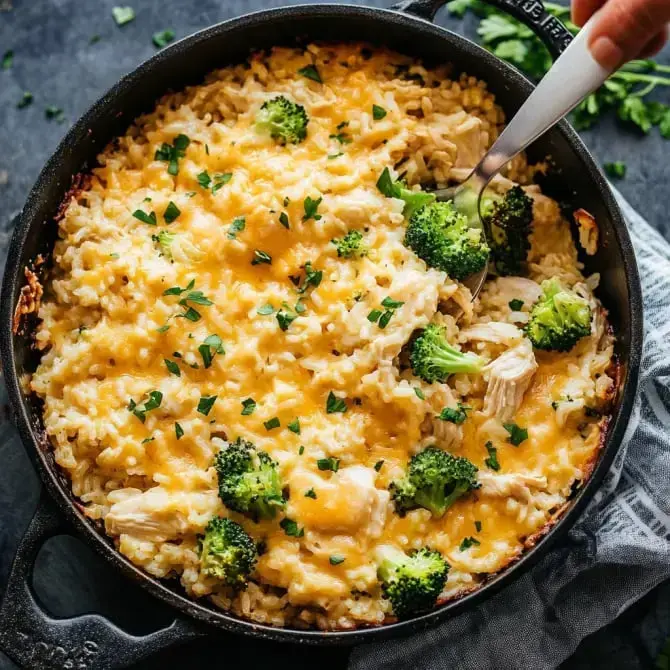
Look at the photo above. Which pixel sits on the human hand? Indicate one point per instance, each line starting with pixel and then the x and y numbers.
pixel 623 29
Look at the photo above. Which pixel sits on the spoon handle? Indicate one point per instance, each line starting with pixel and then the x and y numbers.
pixel 573 76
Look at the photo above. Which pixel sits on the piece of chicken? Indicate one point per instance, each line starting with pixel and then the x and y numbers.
pixel 509 376
pixel 516 485
pixel 516 288
pixel 497 332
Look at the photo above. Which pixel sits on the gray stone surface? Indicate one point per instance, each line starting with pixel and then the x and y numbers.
pixel 56 62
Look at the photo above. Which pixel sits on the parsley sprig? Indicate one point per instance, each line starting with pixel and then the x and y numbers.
pixel 171 153
pixel 195 297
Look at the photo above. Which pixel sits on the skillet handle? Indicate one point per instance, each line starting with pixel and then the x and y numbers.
pixel 532 13
pixel 37 641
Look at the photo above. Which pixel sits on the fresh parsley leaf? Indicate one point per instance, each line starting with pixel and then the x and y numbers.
pixel 517 435
pixel 211 346
pixel 492 460
pixel 248 407
pixel 389 303
pixel 172 367
pixel 310 494
pixel 153 402
pixel 374 315
pixel 26 99
pixel 266 309
pixel 204 179
pixel 336 559
pixel 178 431
pixel 205 404
pixel 191 314
pixel 7 60
pixel 515 305
pixel 290 527
pixel 294 426
pixel 311 206
pixel 634 110
pixel 171 213
pixel 331 463
pixel 478 526
pixel 616 170
pixel 261 257
pixel 54 113
pixel 378 112
pixel 301 451
pixel 285 319
pixel 300 307
pixel 378 465
pixel 342 138
pixel 196 297
pixel 163 329
pixel 123 15
pixel 419 393
pixel 237 226
pixel 312 278
pixel 283 219
pixel 221 180
pixel 385 318
pixel 455 415
pixel 469 542
pixel 310 72
pixel 386 185
pixel 171 153
pixel 162 38
pixel 145 218
pixel 335 404
pixel 272 423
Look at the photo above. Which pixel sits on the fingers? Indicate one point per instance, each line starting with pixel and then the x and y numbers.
pixel 582 10
pixel 625 28
pixel 654 45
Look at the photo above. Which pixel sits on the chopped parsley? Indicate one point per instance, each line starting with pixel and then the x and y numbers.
pixel 290 527
pixel 617 169
pixel 206 403
pixel 237 226
pixel 515 305
pixel 301 451
pixel 248 407
pixel 455 415
pixel 331 157
pixel 517 435
pixel 378 112
pixel 374 315
pixel 123 15
pixel 146 440
pixel 171 153
pixel 7 59
pixel 311 206
pixel 492 461
pixel 285 319
pixel 478 526
pixel 163 329
pixel 261 257
pixel 382 318
pixel 272 423
pixel 378 465
pixel 211 346
pixel 266 309
pixel 300 307
pixel 310 494
pixel 162 38
pixel 310 72
pixel 171 213
pixel 335 404
pixel 389 303
pixel 54 113
pixel 335 559
pixel 469 542
pixel 178 431
pixel 342 138
pixel 419 393
pixel 172 367
pixel 204 179
pixel 312 278
pixel 145 218
pixel 153 402
pixel 283 219
pixel 332 464
pixel 221 180
pixel 26 99
pixel 294 426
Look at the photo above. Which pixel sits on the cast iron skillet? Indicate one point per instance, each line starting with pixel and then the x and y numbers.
pixel 30 636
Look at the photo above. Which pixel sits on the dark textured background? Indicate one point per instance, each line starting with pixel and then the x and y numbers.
pixel 56 62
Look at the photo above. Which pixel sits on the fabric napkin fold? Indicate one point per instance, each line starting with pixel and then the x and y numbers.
pixel 618 550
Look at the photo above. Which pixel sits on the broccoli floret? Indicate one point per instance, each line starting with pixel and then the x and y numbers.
pixel 248 480
pixel 165 240
pixel 227 552
pixel 434 480
pixel 285 120
pixel 411 582
pixel 442 237
pixel 351 245
pixel 178 247
pixel 413 200
pixel 433 359
pixel 559 318
pixel 508 225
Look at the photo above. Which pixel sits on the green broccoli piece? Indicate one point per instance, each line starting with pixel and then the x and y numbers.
pixel 442 237
pixel 351 245
pixel 412 582
pixel 508 224
pixel 559 318
pixel 227 552
pixel 248 480
pixel 165 240
pixel 284 120
pixel 433 359
pixel 414 200
pixel 434 481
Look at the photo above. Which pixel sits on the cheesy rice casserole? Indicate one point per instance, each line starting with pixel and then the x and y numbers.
pixel 233 332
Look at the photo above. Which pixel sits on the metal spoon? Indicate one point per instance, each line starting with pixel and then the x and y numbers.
pixel 573 76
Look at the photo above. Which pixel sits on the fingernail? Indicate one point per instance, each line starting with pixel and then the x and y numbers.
pixel 607 52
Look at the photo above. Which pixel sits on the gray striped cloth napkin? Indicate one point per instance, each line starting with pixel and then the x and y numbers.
pixel 617 551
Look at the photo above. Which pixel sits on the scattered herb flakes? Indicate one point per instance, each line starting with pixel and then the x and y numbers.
pixel 310 494
pixel 191 314
pixel 153 402
pixel 455 415
pixel 382 317
pixel 335 404
pixel 171 213
pixel 94 39
pixel 248 406
pixel 342 138
pixel 7 60
pixel 237 226
pixel 162 38
pixel 311 206
pixel 53 113
pixel 26 99
pixel 272 423
pixel 385 184
pixel 378 112
pixel 294 426
pixel 469 542
pixel 389 303
pixel 616 170
pixel 331 463
pixel 300 307
pixel 283 219
pixel 150 219
pixel 163 329
pixel 378 465
pixel 385 318
pixel 515 305
pixel 178 431
pixel 374 315
pixel 290 527
pixel 261 257
pixel 171 153
pixel 517 435
pixel 211 346
pixel 285 319
pixel 336 559
pixel 301 451
pixel 312 278
pixel 146 440
pixel 204 179
pixel 123 15
pixel 266 309
pixel 206 403
pixel 333 156
pixel 310 72
pixel 221 180
pixel 419 393
pixel 492 461
pixel 478 526
pixel 172 367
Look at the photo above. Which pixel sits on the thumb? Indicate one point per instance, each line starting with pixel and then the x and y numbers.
pixel 623 29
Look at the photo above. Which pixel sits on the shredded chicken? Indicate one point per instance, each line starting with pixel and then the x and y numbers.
pixel 497 332
pixel 517 485
pixel 518 288
pixel 509 376
pixel 588 231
